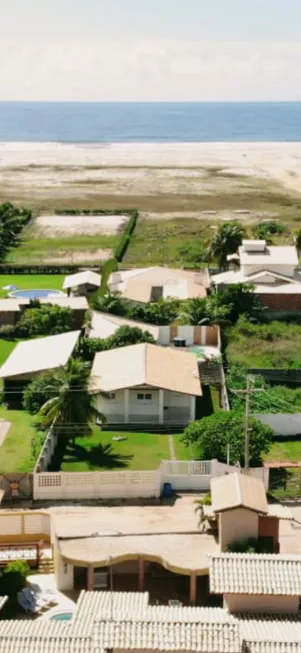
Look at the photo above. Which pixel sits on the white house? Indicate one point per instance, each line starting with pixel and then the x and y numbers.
pixel 146 384
pixel 82 283
pixel 262 265
pixel 143 285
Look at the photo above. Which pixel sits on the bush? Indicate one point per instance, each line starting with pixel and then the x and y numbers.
pixel 124 336
pixel 7 331
pixel 13 578
pixel 39 391
pixel 12 221
pixel 265 229
pixel 126 237
pixel 213 436
pixel 46 320
pixel 252 545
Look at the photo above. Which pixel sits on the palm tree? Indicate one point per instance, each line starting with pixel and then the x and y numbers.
pixel 226 241
pixel 72 407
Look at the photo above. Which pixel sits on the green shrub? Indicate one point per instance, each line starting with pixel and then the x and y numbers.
pixel 12 221
pixel 7 331
pixel 13 578
pixel 126 237
pixel 44 321
pixel 252 545
pixel 269 228
pixel 207 500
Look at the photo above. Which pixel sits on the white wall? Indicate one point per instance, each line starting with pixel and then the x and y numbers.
pixel 237 525
pixel 282 423
pixel 287 270
pixel 261 604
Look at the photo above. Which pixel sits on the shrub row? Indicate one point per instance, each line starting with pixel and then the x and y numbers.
pixel 126 237
pixel 14 268
pixel 96 212
pixel 109 266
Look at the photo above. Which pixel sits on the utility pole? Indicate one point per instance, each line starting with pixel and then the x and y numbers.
pixel 250 390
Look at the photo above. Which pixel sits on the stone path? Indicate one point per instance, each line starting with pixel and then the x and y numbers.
pixel 4 428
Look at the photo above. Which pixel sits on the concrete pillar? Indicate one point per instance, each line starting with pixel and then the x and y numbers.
pixel 161 406
pixel 192 408
pixel 90 579
pixel 126 405
pixel 140 574
pixel 193 586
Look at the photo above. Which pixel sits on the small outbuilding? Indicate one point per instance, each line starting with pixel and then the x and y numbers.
pixel 82 283
pixel 32 357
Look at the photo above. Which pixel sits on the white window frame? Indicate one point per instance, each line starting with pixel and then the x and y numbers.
pixel 145 397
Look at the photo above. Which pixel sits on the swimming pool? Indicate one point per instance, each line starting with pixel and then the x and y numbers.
pixel 62 616
pixel 36 293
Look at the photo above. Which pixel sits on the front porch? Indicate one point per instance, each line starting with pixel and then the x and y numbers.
pixel 141 575
pixel 147 406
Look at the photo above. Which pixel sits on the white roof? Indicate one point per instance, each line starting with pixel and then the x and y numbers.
pixel 9 305
pixel 40 354
pixel 76 303
pixel 267 574
pixel 148 364
pixel 82 278
pixel 105 325
pixel 272 255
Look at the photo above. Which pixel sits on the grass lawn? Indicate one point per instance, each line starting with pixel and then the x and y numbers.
pixel 99 451
pixel 29 281
pixel 6 347
pixel 285 483
pixel 15 452
pixel 183 452
pixel 71 249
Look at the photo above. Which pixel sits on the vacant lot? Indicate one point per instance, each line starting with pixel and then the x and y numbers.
pixel 29 281
pixel 16 451
pixel 276 345
pixel 68 238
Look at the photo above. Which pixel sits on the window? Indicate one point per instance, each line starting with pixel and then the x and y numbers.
pixel 111 395
pixel 142 396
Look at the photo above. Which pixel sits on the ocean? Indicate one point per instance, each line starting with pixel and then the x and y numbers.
pixel 89 122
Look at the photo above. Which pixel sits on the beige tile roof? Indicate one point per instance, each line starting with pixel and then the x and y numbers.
pixel 238 490
pixel 203 637
pixel 101 605
pixel 182 554
pixel 82 278
pixel 274 510
pixel 145 364
pixel 40 354
pixel 137 284
pixel 240 573
pixel 271 633
pixel 42 636
pixel 105 324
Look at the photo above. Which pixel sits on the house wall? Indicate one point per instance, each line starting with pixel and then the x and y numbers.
pixel 64 573
pixel 194 335
pixel 177 407
pixel 286 270
pixel 269 527
pixel 9 317
pixel 278 302
pixel 261 604
pixel 237 525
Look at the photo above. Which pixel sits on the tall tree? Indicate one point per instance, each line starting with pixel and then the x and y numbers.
pixel 70 403
pixel 226 241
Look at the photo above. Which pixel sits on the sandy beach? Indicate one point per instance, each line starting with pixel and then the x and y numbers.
pixel 152 176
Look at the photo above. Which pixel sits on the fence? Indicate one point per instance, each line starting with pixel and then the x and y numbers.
pixel 183 476
pixel 24 523
pixel 47 451
pixel 96 485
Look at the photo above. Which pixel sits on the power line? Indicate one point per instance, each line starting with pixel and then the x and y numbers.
pixel 248 392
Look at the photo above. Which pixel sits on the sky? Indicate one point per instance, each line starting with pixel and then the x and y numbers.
pixel 150 50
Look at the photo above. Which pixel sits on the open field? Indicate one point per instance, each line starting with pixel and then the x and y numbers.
pixel 277 345
pixel 29 281
pixel 16 452
pixel 76 249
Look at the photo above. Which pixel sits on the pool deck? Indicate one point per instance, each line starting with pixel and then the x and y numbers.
pixel 45 583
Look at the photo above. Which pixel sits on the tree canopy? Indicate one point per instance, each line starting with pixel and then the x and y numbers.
pixel 213 436
pixel 12 221
pixel 44 320
pixel 226 241
pixel 125 335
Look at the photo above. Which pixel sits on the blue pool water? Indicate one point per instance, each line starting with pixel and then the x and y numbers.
pixel 62 616
pixel 38 293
